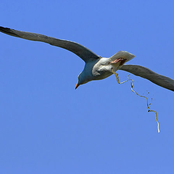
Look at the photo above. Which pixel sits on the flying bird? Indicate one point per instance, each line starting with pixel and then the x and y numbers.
pixel 96 67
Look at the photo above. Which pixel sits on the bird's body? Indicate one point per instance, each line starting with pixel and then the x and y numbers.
pixel 101 68
pixel 96 67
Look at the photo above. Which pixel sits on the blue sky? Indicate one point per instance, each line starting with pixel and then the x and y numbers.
pixel 102 127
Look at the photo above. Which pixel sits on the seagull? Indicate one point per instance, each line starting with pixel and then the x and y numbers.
pixel 96 67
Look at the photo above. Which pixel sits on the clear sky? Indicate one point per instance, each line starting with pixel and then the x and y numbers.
pixel 46 126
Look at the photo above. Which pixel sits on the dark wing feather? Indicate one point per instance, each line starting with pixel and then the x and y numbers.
pixel 146 73
pixel 76 48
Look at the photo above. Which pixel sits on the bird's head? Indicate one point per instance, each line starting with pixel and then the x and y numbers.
pixel 81 79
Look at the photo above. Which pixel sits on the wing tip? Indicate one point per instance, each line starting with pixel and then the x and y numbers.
pixel 8 31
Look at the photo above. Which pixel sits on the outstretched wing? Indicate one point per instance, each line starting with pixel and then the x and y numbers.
pixel 76 48
pixel 146 73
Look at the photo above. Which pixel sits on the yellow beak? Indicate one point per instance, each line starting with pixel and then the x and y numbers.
pixel 76 85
